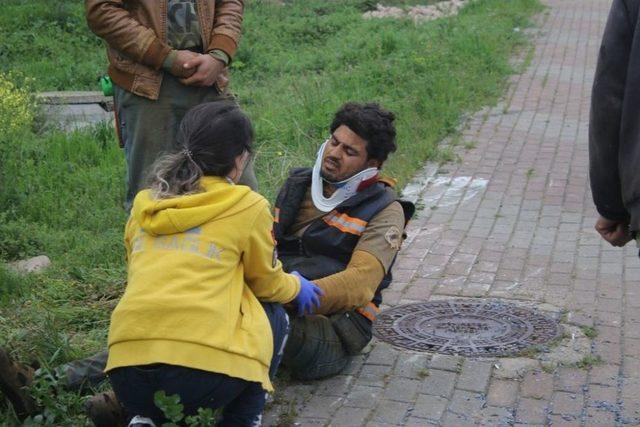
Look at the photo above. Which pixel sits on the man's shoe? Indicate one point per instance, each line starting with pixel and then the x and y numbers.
pixel 14 378
pixel 105 410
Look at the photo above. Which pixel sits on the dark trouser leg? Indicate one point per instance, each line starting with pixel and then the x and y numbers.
pixel 279 321
pixel 148 128
pixel 135 388
pixel 248 176
pixel 314 350
pixel 79 373
pixel 251 401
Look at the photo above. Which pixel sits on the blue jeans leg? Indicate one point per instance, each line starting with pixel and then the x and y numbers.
pixel 279 321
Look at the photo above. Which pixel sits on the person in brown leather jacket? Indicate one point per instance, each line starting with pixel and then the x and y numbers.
pixel 165 56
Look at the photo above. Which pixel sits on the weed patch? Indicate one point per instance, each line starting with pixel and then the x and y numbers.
pixel 589 361
pixel 589 331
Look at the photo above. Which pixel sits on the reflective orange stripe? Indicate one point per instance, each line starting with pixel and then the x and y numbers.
pixel 370 311
pixel 277 215
pixel 346 223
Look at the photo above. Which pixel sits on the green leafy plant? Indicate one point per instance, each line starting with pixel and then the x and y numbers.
pixel 589 331
pixel 589 361
pixel 173 411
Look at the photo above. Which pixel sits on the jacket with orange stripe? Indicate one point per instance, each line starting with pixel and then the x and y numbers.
pixel 327 245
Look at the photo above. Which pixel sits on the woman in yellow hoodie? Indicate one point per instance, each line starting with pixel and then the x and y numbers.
pixel 194 319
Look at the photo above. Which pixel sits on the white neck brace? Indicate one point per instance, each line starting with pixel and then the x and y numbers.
pixel 344 189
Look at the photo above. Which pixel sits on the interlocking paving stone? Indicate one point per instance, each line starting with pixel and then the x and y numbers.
pixel 475 375
pixel 567 403
pixel 537 384
pixel 419 422
pixel 391 412
pixel 438 383
pixel 349 417
pixel 363 396
pixel 312 422
pixel 382 354
pixel 373 375
pixel 412 365
pixel 322 406
pixel 571 379
pixel 457 420
pixel 502 392
pixel 466 402
pixel 431 407
pixel 532 411
pixel 335 386
pixel 564 421
pixel 402 389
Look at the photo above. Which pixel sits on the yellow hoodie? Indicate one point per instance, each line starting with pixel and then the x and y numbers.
pixel 197 267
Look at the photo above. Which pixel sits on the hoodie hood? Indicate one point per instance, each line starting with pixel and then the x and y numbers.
pixel 220 199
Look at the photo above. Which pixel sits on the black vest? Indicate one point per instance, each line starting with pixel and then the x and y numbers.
pixel 327 244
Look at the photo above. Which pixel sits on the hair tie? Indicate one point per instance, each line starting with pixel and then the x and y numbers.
pixel 188 153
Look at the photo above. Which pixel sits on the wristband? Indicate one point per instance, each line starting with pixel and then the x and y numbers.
pixel 220 56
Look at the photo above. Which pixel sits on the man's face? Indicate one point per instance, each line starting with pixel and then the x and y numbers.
pixel 345 155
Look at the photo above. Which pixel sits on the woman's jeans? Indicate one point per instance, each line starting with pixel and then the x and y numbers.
pixel 243 401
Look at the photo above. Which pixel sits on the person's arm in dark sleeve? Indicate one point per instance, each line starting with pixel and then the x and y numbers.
pixel 109 20
pixel 606 111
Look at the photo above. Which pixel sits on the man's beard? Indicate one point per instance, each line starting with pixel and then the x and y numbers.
pixel 328 176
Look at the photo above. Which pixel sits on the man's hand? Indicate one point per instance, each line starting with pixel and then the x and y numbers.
pixel 177 66
pixel 615 232
pixel 206 69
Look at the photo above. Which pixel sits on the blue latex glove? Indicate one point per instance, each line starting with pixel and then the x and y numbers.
pixel 308 300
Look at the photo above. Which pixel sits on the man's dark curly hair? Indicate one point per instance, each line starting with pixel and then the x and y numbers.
pixel 372 123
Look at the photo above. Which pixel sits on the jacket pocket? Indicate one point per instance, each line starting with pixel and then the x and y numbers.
pixel 246 317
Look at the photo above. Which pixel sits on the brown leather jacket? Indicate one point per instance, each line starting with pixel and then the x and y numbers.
pixel 135 32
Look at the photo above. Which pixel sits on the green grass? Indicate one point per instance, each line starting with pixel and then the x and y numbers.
pixel 49 40
pixel 589 361
pixel 589 331
pixel 60 194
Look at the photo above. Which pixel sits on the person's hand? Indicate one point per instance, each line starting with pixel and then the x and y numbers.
pixel 177 66
pixel 615 232
pixel 308 300
pixel 207 69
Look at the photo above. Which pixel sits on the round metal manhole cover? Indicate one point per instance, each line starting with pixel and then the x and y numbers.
pixel 468 328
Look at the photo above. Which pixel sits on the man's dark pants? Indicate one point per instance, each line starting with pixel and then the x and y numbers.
pixel 315 348
pixel 148 127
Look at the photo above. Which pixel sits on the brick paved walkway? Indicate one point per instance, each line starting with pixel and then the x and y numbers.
pixel 514 219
